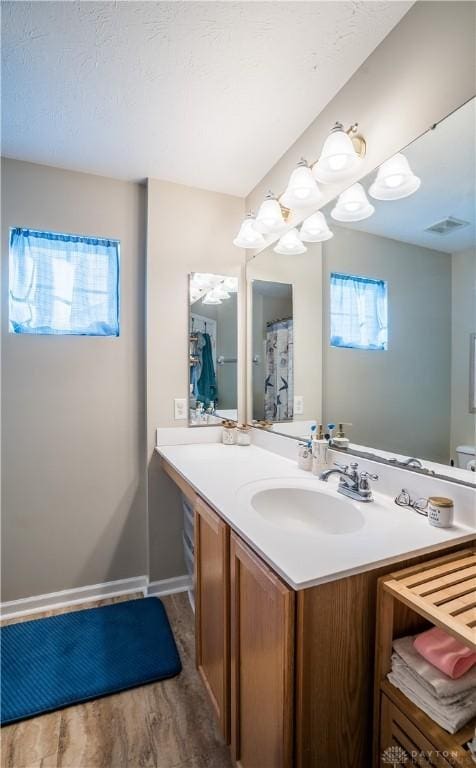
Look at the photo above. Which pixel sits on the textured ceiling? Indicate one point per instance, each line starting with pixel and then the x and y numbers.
pixel 208 94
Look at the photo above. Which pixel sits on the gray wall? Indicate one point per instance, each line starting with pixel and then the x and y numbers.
pixel 73 408
pixel 464 323
pixel 397 400
pixel 188 230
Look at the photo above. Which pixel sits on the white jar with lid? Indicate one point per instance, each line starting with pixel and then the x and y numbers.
pixel 440 511
pixel 243 434
pixel 228 434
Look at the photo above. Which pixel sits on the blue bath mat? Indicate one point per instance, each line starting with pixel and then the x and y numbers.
pixel 74 657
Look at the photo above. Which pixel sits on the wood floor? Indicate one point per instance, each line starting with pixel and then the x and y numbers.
pixel 163 725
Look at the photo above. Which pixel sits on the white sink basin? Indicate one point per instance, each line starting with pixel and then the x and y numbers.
pixel 307 509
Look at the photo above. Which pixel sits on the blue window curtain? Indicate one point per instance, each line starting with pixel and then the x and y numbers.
pixel 358 312
pixel 63 284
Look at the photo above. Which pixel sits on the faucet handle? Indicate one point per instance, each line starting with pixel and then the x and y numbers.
pixel 343 467
pixel 368 476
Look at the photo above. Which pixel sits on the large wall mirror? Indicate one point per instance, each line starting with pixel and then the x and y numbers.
pixel 213 348
pixel 384 306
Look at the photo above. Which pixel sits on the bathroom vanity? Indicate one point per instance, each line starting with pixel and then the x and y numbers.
pixel 286 603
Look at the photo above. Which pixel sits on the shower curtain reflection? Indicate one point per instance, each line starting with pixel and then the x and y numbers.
pixel 279 384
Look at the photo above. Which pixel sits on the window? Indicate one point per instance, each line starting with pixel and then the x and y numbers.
pixel 358 312
pixel 63 284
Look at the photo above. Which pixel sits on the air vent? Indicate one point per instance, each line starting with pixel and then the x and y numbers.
pixel 446 226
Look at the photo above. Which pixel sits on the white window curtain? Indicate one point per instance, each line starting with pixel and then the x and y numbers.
pixel 358 312
pixel 63 284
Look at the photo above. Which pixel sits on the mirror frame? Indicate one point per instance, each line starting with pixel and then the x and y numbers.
pixel 239 356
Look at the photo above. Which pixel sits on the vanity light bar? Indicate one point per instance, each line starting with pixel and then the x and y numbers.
pixel 275 211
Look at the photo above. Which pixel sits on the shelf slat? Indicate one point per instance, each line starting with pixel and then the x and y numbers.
pixel 445 594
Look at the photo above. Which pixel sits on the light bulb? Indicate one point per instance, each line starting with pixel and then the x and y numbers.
pixel 248 236
pixel 211 298
pixel 338 160
pixel 290 244
pixel 352 205
pixel 270 216
pixel 395 179
pixel 220 292
pixel 314 229
pixel 302 190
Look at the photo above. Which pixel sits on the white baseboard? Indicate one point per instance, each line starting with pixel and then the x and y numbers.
pixel 169 586
pixel 38 603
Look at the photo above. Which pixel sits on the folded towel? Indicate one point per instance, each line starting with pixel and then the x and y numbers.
pixel 445 652
pixel 451 703
pixel 451 717
pixel 430 677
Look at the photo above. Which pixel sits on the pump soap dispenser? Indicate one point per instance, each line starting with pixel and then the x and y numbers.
pixel 319 452
pixel 340 440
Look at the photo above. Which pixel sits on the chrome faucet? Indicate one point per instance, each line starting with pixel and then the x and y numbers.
pixel 410 462
pixel 353 484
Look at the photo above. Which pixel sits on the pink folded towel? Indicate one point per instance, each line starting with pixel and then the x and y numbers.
pixel 445 652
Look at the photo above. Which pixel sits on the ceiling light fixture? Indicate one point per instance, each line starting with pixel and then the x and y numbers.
pixel 230 284
pixel 270 218
pixel 248 236
pixel 220 292
pixel 314 229
pixel 211 298
pixel 290 244
pixel 352 205
pixel 394 180
pixel 302 190
pixel 341 155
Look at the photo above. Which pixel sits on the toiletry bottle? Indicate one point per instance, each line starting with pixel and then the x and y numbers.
pixel 330 433
pixel 319 452
pixel 340 440
pixel 305 456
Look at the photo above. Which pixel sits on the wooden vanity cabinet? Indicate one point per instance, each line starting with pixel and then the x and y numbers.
pixel 262 653
pixel 212 609
pixel 290 674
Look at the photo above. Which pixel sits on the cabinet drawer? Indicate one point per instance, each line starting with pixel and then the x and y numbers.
pixel 401 740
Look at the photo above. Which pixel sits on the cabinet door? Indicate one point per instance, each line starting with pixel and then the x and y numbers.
pixel 262 640
pixel 212 609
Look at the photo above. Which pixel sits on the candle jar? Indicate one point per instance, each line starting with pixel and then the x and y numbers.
pixel 243 436
pixel 228 434
pixel 440 511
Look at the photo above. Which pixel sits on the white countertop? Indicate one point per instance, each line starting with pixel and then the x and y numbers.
pixel 221 474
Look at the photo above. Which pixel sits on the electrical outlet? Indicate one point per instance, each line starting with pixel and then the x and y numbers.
pixel 298 405
pixel 180 408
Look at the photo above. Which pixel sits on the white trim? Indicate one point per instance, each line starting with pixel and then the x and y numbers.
pixel 67 597
pixel 169 586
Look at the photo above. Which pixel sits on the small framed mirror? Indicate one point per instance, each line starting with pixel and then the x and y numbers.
pixel 213 349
